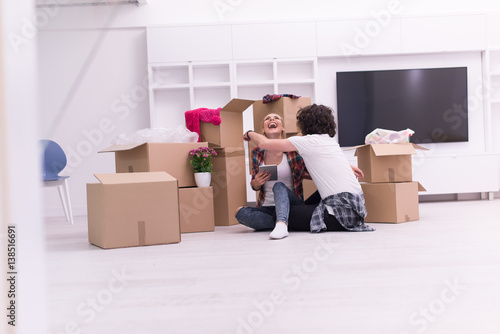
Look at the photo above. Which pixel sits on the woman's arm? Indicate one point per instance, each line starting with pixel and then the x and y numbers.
pixel 282 145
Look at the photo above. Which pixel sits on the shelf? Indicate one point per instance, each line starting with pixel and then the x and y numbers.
pixel 260 71
pixel 172 75
pixel 295 71
pixel 210 85
pixel 206 73
pixel 254 92
pixel 170 87
pixel 254 83
pixel 293 82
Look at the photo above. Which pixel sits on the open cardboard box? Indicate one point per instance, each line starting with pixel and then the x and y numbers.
pixel 133 209
pixel 196 207
pixel 229 133
pixel 172 158
pixel 391 202
pixel 286 107
pixel 386 162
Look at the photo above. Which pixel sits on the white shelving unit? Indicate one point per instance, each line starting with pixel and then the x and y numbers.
pixel 178 87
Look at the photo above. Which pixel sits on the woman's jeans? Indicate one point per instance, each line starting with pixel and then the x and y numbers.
pixel 266 217
pixel 299 217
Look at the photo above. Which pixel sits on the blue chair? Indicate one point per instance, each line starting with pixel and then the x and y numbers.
pixel 54 161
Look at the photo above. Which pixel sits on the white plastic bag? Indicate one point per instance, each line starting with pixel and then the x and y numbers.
pixel 382 136
pixel 158 135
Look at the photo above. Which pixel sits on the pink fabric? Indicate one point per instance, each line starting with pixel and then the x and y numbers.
pixel 195 116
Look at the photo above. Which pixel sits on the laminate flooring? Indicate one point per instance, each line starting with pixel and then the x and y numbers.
pixel 440 274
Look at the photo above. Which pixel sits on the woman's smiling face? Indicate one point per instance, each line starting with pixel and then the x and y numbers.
pixel 273 124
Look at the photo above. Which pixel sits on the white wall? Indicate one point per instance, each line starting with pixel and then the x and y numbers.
pixel 92 63
pixel 93 86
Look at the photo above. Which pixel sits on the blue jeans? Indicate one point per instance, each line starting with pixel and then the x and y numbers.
pixel 265 218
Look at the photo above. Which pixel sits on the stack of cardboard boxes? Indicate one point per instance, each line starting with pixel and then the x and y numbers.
pixel 228 180
pixel 391 195
pixel 153 197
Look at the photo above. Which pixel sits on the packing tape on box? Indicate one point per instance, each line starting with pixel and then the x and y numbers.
pixel 141 225
pixel 392 176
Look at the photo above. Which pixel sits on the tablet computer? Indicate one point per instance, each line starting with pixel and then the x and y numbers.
pixel 273 169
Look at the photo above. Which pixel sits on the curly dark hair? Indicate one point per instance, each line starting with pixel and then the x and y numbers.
pixel 316 119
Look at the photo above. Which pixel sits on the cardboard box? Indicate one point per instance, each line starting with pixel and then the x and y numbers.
pixel 386 162
pixel 309 188
pixel 133 209
pixel 172 158
pixel 229 133
pixel 196 207
pixel 391 202
pixel 286 107
pixel 229 183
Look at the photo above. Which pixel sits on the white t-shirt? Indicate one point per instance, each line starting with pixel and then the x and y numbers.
pixel 327 164
pixel 284 175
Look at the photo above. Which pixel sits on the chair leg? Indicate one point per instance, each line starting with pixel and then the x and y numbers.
pixel 70 211
pixel 66 202
pixel 62 196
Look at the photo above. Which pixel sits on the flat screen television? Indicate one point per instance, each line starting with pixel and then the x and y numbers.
pixel 430 101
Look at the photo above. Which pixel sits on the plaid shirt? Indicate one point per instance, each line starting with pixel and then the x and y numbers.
pixel 349 209
pixel 273 97
pixel 296 165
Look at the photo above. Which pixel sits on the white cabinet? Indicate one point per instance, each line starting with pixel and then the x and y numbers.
pixel 274 40
pixel 492 96
pixel 358 37
pixel 189 43
pixel 443 33
pixel 457 173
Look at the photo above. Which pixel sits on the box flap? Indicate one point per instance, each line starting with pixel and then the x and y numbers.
pixel 121 147
pixel 389 149
pixel 238 105
pixel 120 178
pixel 393 149
pixel 420 147
pixel 420 187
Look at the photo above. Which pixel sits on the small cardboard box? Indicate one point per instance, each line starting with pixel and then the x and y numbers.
pixel 229 183
pixel 286 107
pixel 229 133
pixel 386 162
pixel 196 207
pixel 133 209
pixel 391 202
pixel 172 158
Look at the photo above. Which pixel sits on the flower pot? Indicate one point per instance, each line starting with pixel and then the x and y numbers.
pixel 203 179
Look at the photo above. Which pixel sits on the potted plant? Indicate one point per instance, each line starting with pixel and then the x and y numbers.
pixel 201 160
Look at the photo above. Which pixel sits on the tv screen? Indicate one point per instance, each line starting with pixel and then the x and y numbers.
pixel 432 102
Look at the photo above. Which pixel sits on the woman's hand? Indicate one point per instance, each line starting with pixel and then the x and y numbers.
pixel 357 172
pixel 260 179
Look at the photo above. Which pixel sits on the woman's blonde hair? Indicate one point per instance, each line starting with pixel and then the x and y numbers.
pixel 282 124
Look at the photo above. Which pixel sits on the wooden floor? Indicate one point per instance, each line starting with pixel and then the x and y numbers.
pixel 440 274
